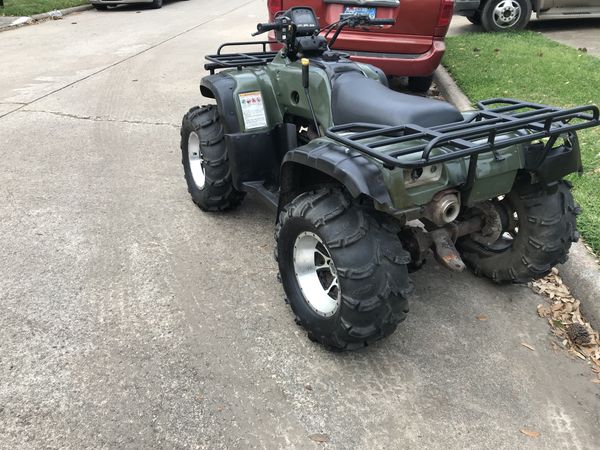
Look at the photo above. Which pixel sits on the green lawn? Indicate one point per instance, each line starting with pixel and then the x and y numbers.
pixel 30 7
pixel 530 67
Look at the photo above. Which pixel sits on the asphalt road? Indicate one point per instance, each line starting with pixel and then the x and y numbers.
pixel 130 319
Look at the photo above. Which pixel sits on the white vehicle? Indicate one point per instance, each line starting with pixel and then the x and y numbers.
pixel 104 4
pixel 507 15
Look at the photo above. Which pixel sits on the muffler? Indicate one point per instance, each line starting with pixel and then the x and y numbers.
pixel 443 208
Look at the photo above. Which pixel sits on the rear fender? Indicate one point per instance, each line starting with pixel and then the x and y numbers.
pixel 324 162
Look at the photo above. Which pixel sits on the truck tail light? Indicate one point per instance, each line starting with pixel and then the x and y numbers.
pixel 274 7
pixel 446 10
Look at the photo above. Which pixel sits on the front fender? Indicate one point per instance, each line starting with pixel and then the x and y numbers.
pixel 221 87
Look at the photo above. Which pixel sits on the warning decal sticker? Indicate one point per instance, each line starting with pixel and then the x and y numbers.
pixel 253 110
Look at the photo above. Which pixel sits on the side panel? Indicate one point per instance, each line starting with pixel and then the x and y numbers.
pixel 255 154
pixel 286 79
pixel 226 86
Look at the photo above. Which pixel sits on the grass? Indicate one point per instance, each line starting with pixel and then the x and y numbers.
pixel 30 7
pixel 531 67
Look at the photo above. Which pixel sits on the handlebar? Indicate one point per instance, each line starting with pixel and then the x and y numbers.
pixel 381 22
pixel 264 27
pixel 354 20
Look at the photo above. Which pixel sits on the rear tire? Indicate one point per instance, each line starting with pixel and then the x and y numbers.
pixel 368 285
pixel 546 227
pixel 497 15
pixel 205 161
pixel 420 84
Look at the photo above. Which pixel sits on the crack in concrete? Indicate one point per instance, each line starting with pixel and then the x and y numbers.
pixel 98 118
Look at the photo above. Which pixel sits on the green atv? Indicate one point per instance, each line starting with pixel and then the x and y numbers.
pixel 367 181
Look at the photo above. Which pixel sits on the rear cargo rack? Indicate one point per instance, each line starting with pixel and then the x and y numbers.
pixel 485 131
pixel 240 60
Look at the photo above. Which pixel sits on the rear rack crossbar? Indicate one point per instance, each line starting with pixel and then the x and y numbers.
pixel 486 130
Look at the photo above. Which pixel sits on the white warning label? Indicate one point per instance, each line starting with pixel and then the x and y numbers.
pixel 253 110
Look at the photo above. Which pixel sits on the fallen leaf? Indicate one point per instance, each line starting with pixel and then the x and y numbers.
pixel 482 317
pixel 530 433
pixel 528 346
pixel 320 438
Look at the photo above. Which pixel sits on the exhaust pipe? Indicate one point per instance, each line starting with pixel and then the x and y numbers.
pixel 443 209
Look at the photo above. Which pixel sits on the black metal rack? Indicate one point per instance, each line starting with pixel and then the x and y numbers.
pixel 485 131
pixel 240 60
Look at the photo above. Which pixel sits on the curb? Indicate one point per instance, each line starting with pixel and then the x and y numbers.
pixel 45 16
pixel 450 90
pixel 581 272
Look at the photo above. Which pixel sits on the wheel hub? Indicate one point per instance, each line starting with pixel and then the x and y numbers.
pixel 195 160
pixel 316 274
pixel 507 13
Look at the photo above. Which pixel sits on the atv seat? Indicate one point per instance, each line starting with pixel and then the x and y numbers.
pixel 356 98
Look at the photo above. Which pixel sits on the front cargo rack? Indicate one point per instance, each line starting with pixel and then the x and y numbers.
pixel 240 60
pixel 483 131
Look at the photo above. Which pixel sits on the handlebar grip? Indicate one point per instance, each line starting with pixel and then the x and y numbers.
pixel 262 27
pixel 382 22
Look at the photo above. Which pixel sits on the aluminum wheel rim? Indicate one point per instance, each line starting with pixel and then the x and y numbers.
pixel 195 160
pixel 506 13
pixel 316 274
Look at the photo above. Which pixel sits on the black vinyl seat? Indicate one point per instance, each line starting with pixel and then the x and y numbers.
pixel 356 98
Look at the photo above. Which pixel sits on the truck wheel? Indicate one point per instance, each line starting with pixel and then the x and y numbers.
pixel 344 273
pixel 537 231
pixel 505 15
pixel 475 18
pixel 205 162
pixel 420 84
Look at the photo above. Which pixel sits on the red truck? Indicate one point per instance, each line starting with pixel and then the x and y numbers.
pixel 412 47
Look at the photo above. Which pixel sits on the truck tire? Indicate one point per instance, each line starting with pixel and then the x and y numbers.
pixel 505 15
pixel 420 84
pixel 541 227
pixel 205 161
pixel 475 18
pixel 156 4
pixel 344 272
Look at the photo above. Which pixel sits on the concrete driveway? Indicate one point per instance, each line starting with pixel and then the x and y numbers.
pixel 578 33
pixel 130 319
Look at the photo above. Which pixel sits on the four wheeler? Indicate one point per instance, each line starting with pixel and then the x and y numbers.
pixel 367 181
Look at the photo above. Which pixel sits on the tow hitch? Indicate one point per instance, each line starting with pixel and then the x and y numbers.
pixel 418 241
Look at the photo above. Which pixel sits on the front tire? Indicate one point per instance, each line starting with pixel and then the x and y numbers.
pixel 344 272
pixel 205 161
pixel 538 229
pixel 505 15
